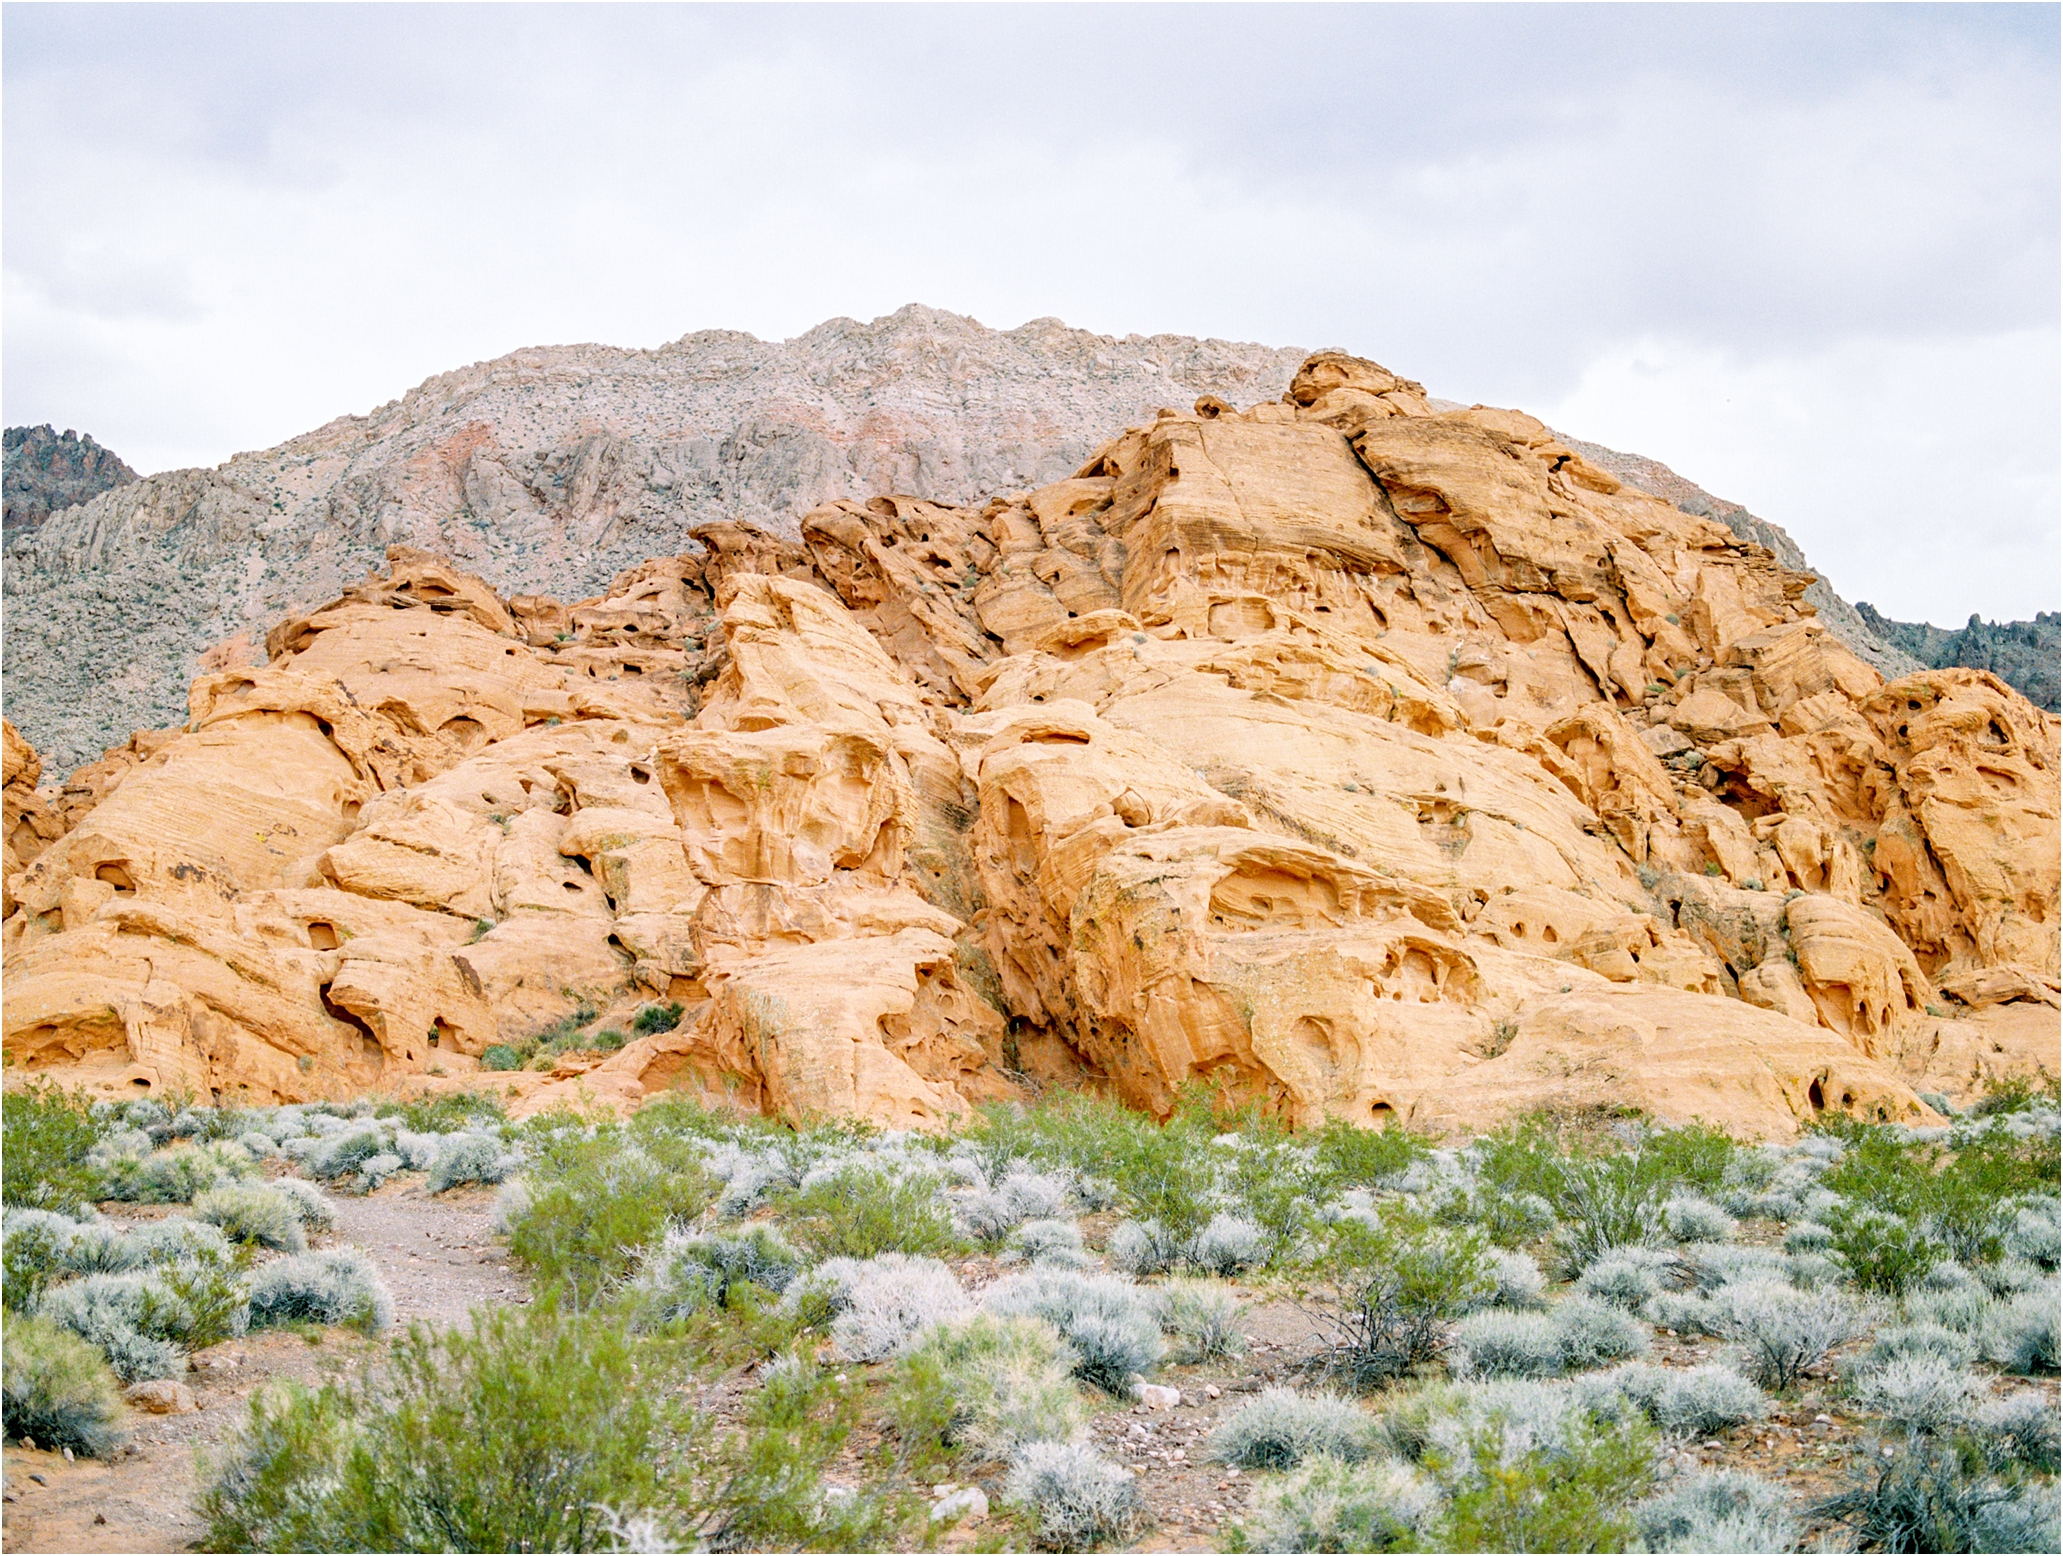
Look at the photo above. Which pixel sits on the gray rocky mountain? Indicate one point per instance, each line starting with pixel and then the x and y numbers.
pixel 47 471
pixel 552 469
pixel 2026 655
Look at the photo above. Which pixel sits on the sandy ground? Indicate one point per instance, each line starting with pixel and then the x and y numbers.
pixel 439 1259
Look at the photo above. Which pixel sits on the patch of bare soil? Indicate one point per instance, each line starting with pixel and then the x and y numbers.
pixel 440 1260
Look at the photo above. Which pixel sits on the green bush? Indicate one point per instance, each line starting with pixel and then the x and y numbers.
pixel 1881 1251
pixel 520 1434
pixel 45 1134
pixel 447 1111
pixel 500 1056
pixel 856 1212
pixel 1386 1294
pixel 594 1203
pixel 174 1177
pixel 1573 1494
pixel 657 1018
pixel 56 1390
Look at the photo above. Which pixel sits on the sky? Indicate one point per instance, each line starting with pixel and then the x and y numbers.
pixel 1806 255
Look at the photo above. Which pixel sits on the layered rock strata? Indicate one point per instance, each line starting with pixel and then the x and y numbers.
pixel 1341 754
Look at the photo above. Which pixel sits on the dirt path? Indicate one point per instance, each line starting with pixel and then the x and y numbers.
pixel 438 1257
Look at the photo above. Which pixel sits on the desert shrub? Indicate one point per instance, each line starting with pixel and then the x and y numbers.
pixel 1684 1312
pixel 1712 1265
pixel 376 1170
pixel 592 1202
pixel 174 1177
pixel 1691 1218
pixel 2020 1428
pixel 1329 1504
pixel 141 1320
pixel 2009 1277
pixel 345 1154
pixel 1620 1279
pixel 1693 1401
pixel 1386 1294
pixel 1281 1428
pixel 172 1240
pixel 56 1390
pixel 1515 1278
pixel 447 1111
pixel 1781 1331
pixel 1002 1382
pixel 1078 1499
pixel 1228 1244
pixel 418 1152
pixel 1882 1252
pixel 499 1057
pixel 1517 1492
pixel 1276 1184
pixel 1918 1392
pixel 1961 1307
pixel 1349 1156
pixel 259 1145
pixel 2020 1335
pixel 691 1271
pixel 1047 1239
pixel 888 1299
pixel 39 1247
pixel 1590 1332
pixel 1143 1248
pixel 1201 1317
pixel 470 1157
pixel 1808 1237
pixel 1721 1511
pixel 46 1135
pixel 317 1214
pixel 332 1286
pixel 2035 1234
pixel 856 1212
pixel 988 1214
pixel 518 1434
pixel 1935 1496
pixel 1500 1344
pixel 1107 1320
pixel 1900 1342
pixel 252 1213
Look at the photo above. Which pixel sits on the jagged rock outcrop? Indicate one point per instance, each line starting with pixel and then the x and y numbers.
pixel 552 470
pixel 2026 655
pixel 45 471
pixel 1345 755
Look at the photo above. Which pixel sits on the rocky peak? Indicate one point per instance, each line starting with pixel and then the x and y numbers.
pixel 46 471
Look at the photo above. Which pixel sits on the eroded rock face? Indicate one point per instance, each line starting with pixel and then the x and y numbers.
pixel 1342 755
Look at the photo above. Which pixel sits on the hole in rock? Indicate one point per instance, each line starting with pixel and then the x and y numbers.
pixel 323 937
pixel 1815 1096
pixel 116 874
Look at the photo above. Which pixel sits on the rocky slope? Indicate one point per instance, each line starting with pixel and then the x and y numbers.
pixel 46 473
pixel 551 470
pixel 2024 654
pixel 554 469
pixel 1346 755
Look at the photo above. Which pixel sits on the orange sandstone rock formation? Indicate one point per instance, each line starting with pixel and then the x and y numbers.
pixel 1355 758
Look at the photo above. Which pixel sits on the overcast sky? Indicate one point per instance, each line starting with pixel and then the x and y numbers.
pixel 1808 256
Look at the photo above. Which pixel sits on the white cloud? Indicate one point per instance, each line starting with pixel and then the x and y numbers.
pixel 227 225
